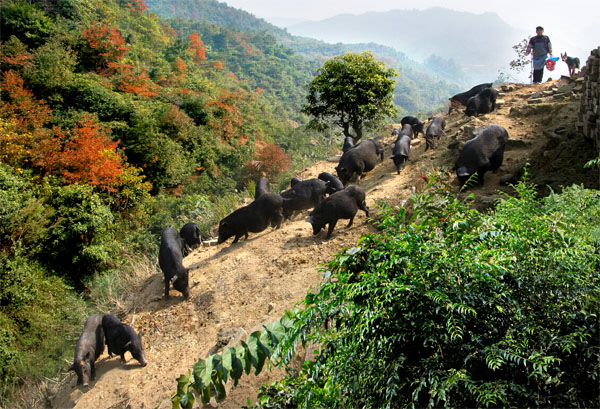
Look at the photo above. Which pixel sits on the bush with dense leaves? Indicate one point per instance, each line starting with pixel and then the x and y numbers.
pixel 447 306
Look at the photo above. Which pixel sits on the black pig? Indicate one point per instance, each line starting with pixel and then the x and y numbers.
pixel 334 184
pixel 482 103
pixel 434 132
pixel 358 160
pixel 190 234
pixel 340 205
pixel 170 260
pixel 415 123
pixel 253 218
pixel 121 338
pixel 303 195
pixel 348 143
pixel 482 153
pixel 461 99
pixel 89 347
pixel 262 186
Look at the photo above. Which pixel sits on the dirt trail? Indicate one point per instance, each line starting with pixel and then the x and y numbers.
pixel 238 288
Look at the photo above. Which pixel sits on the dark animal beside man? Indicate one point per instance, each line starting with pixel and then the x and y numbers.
pixel 416 125
pixel 334 184
pixel 262 186
pixel 302 196
pixel 401 150
pixel 348 143
pixel 459 101
pixel 253 218
pixel 482 103
pixel 170 260
pixel 121 338
pixel 192 239
pixel 340 205
pixel 482 153
pixel 362 158
pixel 434 132
pixel 89 347
pixel 572 63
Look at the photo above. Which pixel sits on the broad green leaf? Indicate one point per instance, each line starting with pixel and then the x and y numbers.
pixel 236 366
pixel 220 389
pixel 242 352
pixel 276 330
pixel 228 357
pixel 257 354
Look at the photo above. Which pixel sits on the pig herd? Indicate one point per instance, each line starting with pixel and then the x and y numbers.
pixel 99 331
pixel 331 198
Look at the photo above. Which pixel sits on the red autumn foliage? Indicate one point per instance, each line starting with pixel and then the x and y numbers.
pixel 197 47
pixel 106 43
pixel 16 57
pixel 19 104
pixel 136 83
pixel 259 90
pixel 232 76
pixel 179 66
pixel 83 155
pixel 218 65
pixel 270 162
pixel 227 114
pixel 137 6
pixel 176 123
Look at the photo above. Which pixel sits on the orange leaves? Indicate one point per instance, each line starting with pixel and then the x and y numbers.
pixel 83 155
pixel 227 113
pixel 28 112
pixel 218 65
pixel 197 47
pixel 136 83
pixel 137 6
pixel 107 44
pixel 179 66
pixel 270 162
pixel 90 157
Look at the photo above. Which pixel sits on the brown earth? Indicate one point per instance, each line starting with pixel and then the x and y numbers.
pixel 238 288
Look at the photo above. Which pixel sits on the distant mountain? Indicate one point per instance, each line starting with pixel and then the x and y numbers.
pixel 479 43
pixel 420 86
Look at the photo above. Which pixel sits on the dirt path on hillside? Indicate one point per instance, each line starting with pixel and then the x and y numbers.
pixel 238 288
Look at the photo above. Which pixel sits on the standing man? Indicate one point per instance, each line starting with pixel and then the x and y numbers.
pixel 540 46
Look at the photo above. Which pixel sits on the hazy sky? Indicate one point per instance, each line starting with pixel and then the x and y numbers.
pixel 573 21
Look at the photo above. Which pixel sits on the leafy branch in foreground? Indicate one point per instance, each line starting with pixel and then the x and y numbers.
pixel 214 371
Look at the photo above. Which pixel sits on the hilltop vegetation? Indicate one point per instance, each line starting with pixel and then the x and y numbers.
pixel 419 88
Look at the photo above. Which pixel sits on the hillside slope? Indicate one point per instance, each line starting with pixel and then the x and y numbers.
pixel 238 288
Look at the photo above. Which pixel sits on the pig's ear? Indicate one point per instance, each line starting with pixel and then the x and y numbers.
pixel 127 344
pixel 71 368
pixel 309 219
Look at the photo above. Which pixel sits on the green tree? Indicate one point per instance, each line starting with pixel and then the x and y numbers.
pixel 352 91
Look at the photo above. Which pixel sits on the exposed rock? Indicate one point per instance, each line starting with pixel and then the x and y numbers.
pixel 509 178
pixel 535 101
pixel 516 144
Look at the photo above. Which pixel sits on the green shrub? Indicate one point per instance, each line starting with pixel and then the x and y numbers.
pixel 40 319
pixel 450 307
pixel 80 242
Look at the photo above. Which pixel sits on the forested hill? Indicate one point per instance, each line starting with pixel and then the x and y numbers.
pixel 113 126
pixel 420 87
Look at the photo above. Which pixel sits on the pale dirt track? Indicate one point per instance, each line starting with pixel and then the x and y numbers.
pixel 238 288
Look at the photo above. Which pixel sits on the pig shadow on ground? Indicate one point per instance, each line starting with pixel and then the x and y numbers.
pixel 105 365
